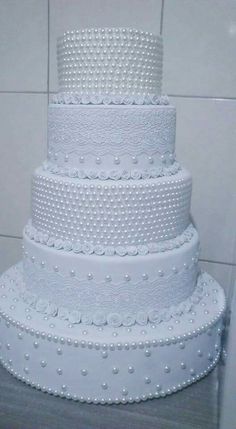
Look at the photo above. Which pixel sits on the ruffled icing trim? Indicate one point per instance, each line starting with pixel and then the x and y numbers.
pixel 80 98
pixel 99 249
pixel 116 319
pixel 112 174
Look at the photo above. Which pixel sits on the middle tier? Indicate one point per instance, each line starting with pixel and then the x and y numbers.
pixel 111 213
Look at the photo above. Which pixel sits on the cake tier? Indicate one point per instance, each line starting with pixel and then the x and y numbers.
pixel 108 212
pixel 108 365
pixel 98 289
pixel 115 61
pixel 115 139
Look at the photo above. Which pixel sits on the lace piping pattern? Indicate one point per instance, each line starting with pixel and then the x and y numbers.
pixel 101 317
pixel 89 248
pixel 80 98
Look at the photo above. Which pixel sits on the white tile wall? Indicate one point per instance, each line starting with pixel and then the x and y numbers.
pixel 73 14
pixel 24 45
pixel 199 61
pixel 23 146
pixel 200 54
pixel 205 144
pixel 10 252
pixel 221 272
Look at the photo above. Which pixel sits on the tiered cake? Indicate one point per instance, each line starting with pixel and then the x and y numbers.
pixel 109 304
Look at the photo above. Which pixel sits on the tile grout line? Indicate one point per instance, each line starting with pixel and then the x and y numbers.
pixel 48 56
pixel 11 236
pixel 210 261
pixel 23 92
pixel 162 16
pixel 206 97
pixel 48 70
pixel 202 97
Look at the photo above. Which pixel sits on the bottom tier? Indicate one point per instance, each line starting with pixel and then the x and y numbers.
pixel 105 364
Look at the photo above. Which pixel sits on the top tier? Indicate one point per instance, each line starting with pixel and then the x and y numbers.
pixel 107 62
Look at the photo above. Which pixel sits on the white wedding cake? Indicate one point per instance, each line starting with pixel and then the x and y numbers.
pixel 109 304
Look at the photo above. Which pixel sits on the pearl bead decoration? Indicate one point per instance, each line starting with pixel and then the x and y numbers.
pixel 109 61
pixel 155 220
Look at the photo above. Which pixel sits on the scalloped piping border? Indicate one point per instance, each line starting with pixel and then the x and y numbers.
pixel 88 248
pixel 112 174
pixel 106 99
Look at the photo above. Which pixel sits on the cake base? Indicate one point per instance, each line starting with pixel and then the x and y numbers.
pixel 105 364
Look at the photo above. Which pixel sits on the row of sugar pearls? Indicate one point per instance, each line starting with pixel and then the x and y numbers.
pixel 116 159
pixel 123 33
pixel 121 56
pixel 175 191
pixel 125 47
pixel 108 68
pixel 110 74
pixel 101 87
pixel 88 66
pixel 104 81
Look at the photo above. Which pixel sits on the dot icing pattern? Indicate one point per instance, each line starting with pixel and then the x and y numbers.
pixel 111 214
pixel 110 61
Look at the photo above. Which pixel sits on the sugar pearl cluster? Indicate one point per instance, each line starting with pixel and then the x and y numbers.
pixel 116 61
pixel 112 215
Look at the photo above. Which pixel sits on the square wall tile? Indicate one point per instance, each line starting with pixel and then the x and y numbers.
pixel 221 272
pixel 205 145
pixel 72 15
pixel 199 47
pixel 23 142
pixel 24 45
pixel 10 252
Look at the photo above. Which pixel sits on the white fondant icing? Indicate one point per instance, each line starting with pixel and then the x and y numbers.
pixel 108 212
pixel 91 283
pixel 97 366
pixel 131 137
pixel 104 61
pixel 109 305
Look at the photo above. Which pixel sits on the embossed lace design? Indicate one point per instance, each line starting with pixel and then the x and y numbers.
pixel 89 297
pixel 108 131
